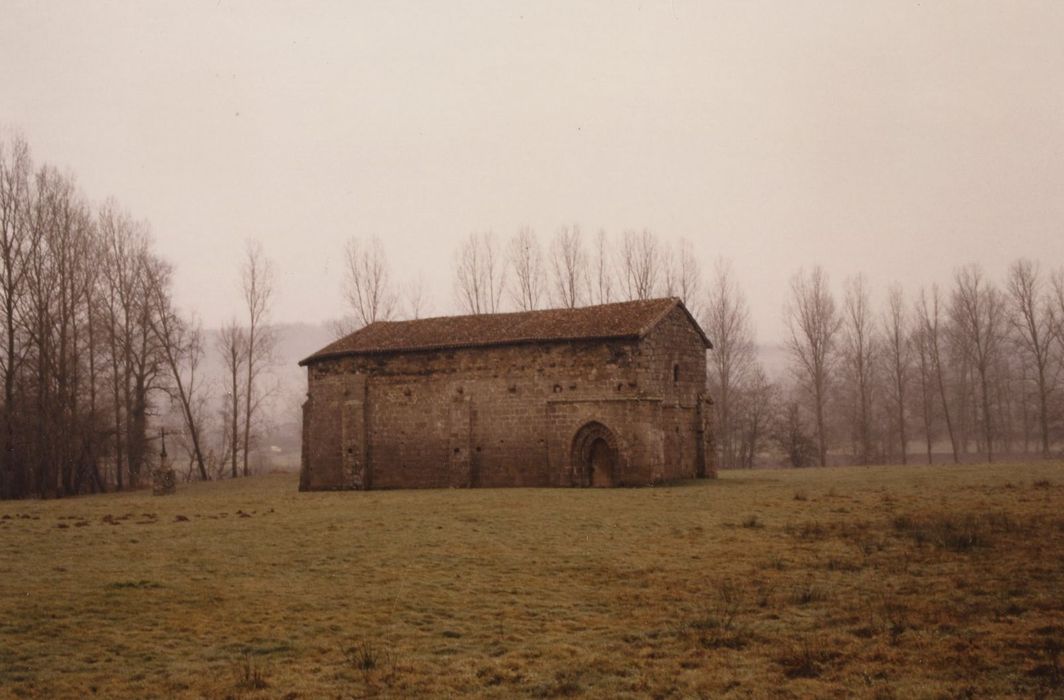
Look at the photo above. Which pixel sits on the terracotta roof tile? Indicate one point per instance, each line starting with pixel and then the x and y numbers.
pixel 630 319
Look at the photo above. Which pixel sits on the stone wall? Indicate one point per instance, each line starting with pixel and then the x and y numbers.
pixel 673 366
pixel 505 416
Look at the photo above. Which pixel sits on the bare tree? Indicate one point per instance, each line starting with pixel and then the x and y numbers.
pixel 529 278
pixel 929 314
pixel 181 343
pixel 479 274
pixel 754 411
pixel 1056 305
pixel 232 347
pixel 978 314
pixel 569 268
pixel 367 281
pixel 897 358
pixel 1033 323
pixel 1057 308
pixel 74 313
pixel 640 264
pixel 727 322
pixel 860 348
pixel 683 277
pixel 792 437
pixel 414 297
pixel 93 264
pixel 133 348
pixel 601 265
pixel 257 283
pixel 15 242
pixel 813 322
pixel 920 342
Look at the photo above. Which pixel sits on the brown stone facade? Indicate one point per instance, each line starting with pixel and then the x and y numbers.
pixel 622 411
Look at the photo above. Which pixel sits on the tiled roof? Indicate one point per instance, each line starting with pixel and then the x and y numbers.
pixel 630 319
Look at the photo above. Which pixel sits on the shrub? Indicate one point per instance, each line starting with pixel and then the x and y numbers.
pixel 764 595
pixel 895 616
pixel 248 676
pixel 805 659
pixel 718 625
pixel 751 521
pixel 957 533
pixel 368 659
pixel 807 593
pixel 840 564
pixel 810 530
pixel 776 562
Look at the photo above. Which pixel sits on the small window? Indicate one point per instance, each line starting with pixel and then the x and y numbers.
pixel 676 374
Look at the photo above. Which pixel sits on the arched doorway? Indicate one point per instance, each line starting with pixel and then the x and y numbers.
pixel 594 456
pixel 600 463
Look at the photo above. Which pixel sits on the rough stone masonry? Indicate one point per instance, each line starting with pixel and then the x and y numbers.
pixel 609 395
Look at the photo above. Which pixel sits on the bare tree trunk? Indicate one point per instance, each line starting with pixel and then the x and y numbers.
pixel 1033 325
pixel 367 282
pixel 898 357
pixel 727 321
pixel 814 323
pixel 640 264
pixel 179 342
pixel 235 425
pixel 929 316
pixel 683 277
pixel 526 261
pixel 479 275
pixel 923 352
pixel 258 292
pixel 93 350
pixel 860 347
pixel 15 166
pixel 602 287
pixel 977 313
pixel 569 268
pixel 232 346
pixel 414 295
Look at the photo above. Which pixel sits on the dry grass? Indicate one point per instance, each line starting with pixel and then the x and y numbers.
pixel 881 582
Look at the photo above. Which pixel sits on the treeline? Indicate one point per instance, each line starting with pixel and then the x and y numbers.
pixel 94 355
pixel 493 275
pixel 96 360
pixel 973 369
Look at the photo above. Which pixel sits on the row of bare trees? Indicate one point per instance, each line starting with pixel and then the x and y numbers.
pixel 93 352
pixel 493 275
pixel 975 369
pixel 246 350
pixel 84 300
pixel 571 271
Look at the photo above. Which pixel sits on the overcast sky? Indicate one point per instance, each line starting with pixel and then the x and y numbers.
pixel 900 139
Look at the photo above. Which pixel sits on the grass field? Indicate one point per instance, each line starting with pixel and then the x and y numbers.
pixel 880 582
